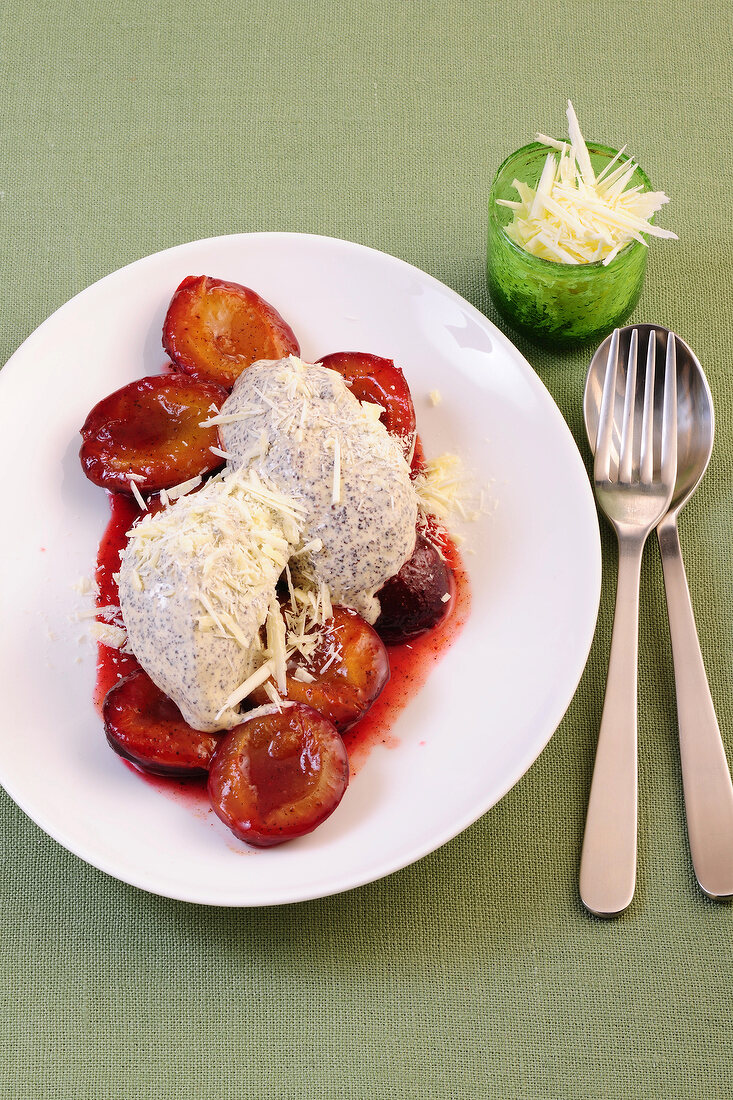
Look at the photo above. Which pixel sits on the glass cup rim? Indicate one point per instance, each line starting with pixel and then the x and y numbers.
pixel 539 261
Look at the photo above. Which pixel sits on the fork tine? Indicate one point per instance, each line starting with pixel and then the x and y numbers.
pixel 627 432
pixel 646 462
pixel 669 414
pixel 602 465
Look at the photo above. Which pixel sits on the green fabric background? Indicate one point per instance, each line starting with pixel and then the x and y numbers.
pixel 131 126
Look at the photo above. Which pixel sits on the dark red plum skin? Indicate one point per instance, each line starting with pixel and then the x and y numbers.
pixel 413 601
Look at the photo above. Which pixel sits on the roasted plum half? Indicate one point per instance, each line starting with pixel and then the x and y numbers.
pixel 345 673
pixel 215 329
pixel 418 597
pixel 150 432
pixel 372 378
pixel 278 775
pixel 145 726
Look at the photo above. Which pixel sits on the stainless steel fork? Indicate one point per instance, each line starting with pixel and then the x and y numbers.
pixel 634 487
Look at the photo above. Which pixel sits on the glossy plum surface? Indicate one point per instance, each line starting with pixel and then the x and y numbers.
pixel 372 378
pixel 279 775
pixel 145 726
pixel 151 429
pixel 215 329
pixel 418 597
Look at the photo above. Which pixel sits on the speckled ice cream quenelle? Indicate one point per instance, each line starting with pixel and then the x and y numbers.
pixel 196 582
pixel 300 427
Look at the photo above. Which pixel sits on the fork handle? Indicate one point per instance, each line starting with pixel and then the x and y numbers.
pixel 608 859
pixel 705 776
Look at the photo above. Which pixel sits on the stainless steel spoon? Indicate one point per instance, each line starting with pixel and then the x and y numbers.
pixel 706 779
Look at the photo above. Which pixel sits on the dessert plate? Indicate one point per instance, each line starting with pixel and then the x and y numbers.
pixel 489 706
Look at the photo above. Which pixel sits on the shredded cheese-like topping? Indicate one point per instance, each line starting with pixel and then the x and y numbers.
pixel 138 496
pixel 576 217
pixel 84 586
pixel 239 532
pixel 113 636
pixel 444 490
pixel 276 643
pixel 230 418
pixel 258 677
pixel 372 409
pixel 98 612
pixel 303 675
pixel 293 631
pixel 182 489
pixel 220 454
pixel 304 616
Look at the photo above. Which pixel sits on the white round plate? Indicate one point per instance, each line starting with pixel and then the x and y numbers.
pixel 490 705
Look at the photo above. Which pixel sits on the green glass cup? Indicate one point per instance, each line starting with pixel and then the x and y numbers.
pixel 554 303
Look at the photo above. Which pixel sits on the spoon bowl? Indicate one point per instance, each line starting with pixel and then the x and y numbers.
pixel 695 415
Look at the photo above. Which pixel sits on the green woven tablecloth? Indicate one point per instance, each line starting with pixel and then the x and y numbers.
pixel 131 126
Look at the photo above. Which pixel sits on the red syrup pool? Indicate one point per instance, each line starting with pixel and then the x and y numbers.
pixel 410 663
pixel 112 665
pixel 410 666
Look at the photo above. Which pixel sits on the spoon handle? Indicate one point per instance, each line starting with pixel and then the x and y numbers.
pixel 608 859
pixel 705 776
